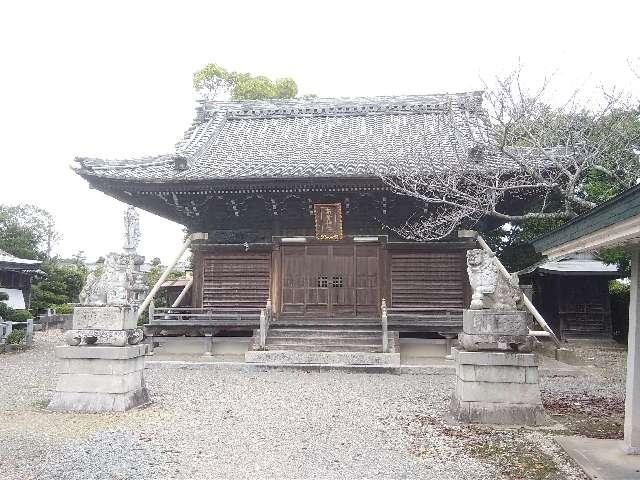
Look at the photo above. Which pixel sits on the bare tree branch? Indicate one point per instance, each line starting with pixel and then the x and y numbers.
pixel 517 149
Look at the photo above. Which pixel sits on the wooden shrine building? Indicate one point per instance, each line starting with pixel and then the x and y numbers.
pixel 16 275
pixel 572 294
pixel 291 196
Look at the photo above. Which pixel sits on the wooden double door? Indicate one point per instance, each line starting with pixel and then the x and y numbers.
pixel 330 280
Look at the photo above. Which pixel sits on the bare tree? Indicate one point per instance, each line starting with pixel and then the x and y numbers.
pixel 516 150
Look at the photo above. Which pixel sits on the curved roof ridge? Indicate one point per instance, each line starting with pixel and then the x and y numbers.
pixel 323 106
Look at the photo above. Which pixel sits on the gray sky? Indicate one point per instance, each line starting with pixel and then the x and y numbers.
pixel 113 79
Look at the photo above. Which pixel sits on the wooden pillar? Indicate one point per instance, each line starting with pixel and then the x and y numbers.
pixel 632 404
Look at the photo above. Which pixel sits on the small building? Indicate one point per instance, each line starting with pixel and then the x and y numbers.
pixel 172 288
pixel 613 223
pixel 16 275
pixel 572 294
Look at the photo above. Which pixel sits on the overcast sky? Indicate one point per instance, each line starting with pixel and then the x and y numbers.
pixel 113 79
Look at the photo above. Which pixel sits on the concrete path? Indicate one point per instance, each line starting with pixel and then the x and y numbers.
pixel 601 459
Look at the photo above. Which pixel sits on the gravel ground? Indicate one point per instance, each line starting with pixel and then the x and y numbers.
pixel 224 423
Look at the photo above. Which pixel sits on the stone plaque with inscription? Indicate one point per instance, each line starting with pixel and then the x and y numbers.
pixel 104 317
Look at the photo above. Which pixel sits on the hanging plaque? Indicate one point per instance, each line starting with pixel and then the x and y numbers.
pixel 328 221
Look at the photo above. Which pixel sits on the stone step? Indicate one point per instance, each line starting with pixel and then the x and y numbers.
pixel 340 359
pixel 325 340
pixel 318 347
pixel 318 332
pixel 328 322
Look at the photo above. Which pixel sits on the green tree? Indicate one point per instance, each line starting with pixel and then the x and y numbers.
pixel 27 231
pixel 213 80
pixel 62 284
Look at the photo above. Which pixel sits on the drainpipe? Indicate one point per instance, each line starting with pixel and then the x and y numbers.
pixel 165 274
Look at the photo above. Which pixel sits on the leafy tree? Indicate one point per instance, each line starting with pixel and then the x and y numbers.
pixel 27 231
pixel 619 257
pixel 79 258
pixel 62 285
pixel 286 88
pixel 213 80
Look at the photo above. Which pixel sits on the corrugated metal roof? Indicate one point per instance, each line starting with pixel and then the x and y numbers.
pixel 585 263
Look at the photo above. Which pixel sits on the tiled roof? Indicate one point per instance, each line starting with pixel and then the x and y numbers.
pixel 357 137
pixel 11 262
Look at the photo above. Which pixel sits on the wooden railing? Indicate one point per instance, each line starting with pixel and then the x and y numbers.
pixel 266 315
pixel 385 332
pixel 204 316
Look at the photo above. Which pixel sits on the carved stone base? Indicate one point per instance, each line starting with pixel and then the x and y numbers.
pixel 505 343
pixel 104 317
pixel 497 387
pixel 496 330
pixel 100 378
pixel 118 338
pixel 494 322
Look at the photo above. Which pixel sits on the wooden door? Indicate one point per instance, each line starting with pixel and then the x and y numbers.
pixel 318 279
pixel 367 281
pixel 342 295
pixel 294 280
pixel 330 280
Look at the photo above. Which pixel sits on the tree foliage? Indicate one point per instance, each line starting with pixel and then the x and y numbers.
pixel 62 285
pixel 27 231
pixel 214 80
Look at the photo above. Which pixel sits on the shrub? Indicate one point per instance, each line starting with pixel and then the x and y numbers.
pixel 16 337
pixel 21 316
pixel 619 295
pixel 63 308
pixel 6 312
pixel 13 315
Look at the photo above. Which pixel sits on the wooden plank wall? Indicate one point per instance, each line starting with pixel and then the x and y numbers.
pixel 433 279
pixel 235 279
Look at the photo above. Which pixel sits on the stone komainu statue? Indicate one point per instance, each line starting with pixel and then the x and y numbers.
pixel 118 282
pixel 491 290
pixel 496 319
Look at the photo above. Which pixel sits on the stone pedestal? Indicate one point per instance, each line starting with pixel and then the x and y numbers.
pixel 100 378
pixel 102 369
pixel 104 324
pixel 497 387
pixel 496 330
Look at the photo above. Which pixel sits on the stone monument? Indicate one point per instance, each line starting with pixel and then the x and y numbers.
pixel 102 366
pixel 496 373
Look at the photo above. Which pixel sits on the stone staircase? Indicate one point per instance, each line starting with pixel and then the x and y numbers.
pixel 325 342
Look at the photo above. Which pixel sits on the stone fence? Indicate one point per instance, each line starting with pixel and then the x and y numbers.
pixel 55 320
pixel 7 327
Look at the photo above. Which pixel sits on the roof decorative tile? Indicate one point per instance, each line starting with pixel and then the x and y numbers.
pixel 356 137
